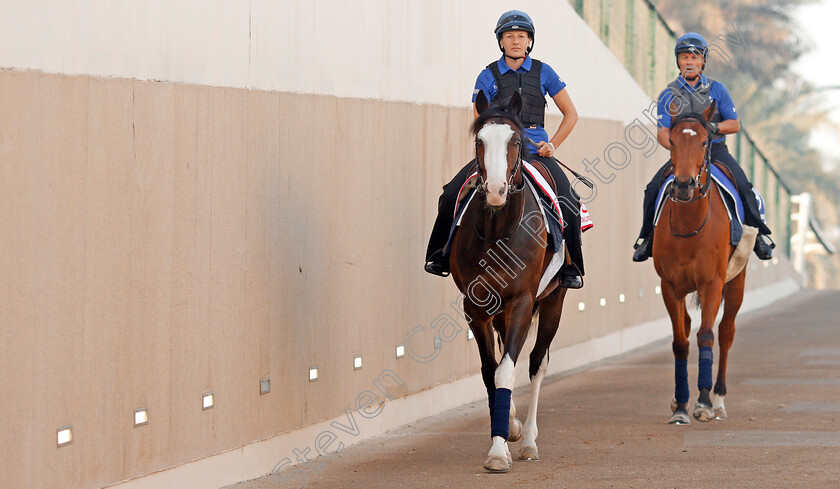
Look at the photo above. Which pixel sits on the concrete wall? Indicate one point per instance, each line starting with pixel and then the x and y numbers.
pixel 198 195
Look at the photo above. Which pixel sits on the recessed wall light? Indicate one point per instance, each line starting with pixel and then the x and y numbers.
pixel 313 374
pixel 400 351
pixel 357 362
pixel 64 436
pixel 581 306
pixel 265 385
pixel 141 417
pixel 208 400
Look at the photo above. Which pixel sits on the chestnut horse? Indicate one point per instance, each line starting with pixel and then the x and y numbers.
pixel 498 257
pixel 691 248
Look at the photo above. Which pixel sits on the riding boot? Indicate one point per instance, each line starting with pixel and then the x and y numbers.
pixel 644 244
pixel 437 263
pixel 570 274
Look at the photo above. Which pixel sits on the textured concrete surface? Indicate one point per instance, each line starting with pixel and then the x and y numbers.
pixel 606 426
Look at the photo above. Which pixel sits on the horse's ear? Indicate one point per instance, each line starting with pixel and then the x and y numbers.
pixel 710 111
pixel 481 102
pixel 515 103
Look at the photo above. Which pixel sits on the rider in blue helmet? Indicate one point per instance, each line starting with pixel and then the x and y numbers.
pixel 514 71
pixel 693 91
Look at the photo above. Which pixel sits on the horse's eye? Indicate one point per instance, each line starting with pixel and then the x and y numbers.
pixel 478 142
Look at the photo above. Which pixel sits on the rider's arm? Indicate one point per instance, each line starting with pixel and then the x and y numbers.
pixel 570 118
pixel 730 126
pixel 664 137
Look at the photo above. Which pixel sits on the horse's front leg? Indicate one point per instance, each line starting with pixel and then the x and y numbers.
pixel 675 304
pixel 710 303
pixel 518 319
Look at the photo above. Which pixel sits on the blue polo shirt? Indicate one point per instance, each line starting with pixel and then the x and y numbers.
pixel 550 83
pixel 717 92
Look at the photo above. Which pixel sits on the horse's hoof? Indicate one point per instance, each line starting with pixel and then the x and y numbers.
pixel 680 418
pixel 720 409
pixel 528 453
pixel 515 430
pixel 496 465
pixel 703 412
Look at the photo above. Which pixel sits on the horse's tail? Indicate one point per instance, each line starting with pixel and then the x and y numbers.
pixel 695 299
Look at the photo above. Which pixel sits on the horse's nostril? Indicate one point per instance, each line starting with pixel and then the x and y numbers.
pixel 502 189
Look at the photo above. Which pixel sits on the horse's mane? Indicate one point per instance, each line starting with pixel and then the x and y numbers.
pixel 691 117
pixel 491 112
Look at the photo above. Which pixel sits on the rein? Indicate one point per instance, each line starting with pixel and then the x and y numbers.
pixel 507 237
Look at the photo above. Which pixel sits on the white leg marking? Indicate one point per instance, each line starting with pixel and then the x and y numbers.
pixel 504 374
pixel 719 408
pixel 498 451
pixel 530 430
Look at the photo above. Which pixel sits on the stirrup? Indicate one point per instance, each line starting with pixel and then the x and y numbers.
pixel 437 264
pixel 763 250
pixel 570 279
pixel 643 249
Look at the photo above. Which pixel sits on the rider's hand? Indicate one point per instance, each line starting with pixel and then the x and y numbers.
pixel 545 149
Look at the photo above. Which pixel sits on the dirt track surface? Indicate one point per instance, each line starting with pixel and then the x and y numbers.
pixel 606 426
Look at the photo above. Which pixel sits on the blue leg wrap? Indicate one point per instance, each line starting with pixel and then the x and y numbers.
pixel 500 425
pixel 704 377
pixel 491 400
pixel 681 380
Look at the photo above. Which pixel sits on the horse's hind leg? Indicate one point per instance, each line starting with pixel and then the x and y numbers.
pixel 550 310
pixel 733 296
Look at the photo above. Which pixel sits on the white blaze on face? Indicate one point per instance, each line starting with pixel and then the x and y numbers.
pixel 690 132
pixel 495 138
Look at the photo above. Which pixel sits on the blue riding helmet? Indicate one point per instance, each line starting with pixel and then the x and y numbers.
pixel 515 20
pixel 692 42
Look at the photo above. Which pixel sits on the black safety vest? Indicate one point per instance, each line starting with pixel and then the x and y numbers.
pixel 529 87
pixel 684 102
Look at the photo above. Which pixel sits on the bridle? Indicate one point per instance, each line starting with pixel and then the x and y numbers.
pixel 481 187
pixel 703 190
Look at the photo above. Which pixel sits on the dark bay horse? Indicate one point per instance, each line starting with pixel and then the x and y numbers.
pixel 691 249
pixel 498 257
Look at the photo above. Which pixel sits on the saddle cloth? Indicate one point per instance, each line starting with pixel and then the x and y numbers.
pixel 731 200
